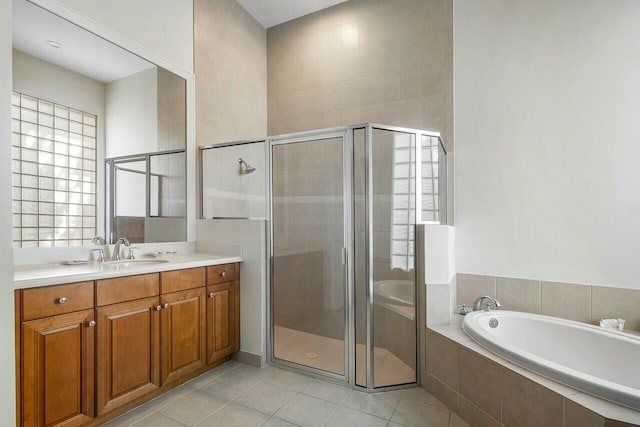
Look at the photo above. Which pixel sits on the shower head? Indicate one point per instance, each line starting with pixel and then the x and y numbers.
pixel 247 169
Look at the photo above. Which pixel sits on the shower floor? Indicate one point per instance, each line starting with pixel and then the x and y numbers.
pixel 326 353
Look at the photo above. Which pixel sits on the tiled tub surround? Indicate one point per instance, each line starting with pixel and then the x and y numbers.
pixel 486 390
pixel 582 303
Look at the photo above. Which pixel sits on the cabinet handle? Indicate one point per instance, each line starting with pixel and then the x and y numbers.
pixel 158 307
pixel 223 273
pixel 62 300
pixel 165 305
pixel 211 295
pixel 92 323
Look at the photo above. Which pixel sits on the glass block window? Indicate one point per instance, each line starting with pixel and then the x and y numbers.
pixel 54 174
pixel 403 201
pixel 430 178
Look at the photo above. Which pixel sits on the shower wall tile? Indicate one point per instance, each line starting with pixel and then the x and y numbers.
pixel 231 73
pixel 363 61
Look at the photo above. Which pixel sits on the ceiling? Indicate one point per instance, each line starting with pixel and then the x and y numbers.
pixel 274 12
pixel 82 52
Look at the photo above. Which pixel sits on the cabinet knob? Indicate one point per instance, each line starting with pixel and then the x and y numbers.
pixel 158 307
pixel 211 295
pixel 223 273
pixel 62 300
pixel 165 305
pixel 92 323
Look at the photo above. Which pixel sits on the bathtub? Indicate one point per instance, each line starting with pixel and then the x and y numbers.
pixel 394 291
pixel 597 361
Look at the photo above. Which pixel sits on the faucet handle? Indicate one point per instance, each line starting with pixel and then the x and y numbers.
pixel 131 248
pixel 100 257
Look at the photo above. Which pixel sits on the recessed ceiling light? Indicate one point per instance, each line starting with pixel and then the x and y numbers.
pixel 54 44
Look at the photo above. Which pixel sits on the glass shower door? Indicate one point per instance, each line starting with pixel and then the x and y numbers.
pixel 309 262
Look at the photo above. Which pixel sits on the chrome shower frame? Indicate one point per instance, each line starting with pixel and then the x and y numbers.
pixel 347 133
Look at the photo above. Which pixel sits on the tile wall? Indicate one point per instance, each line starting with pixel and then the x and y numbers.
pixel 384 61
pixel 583 303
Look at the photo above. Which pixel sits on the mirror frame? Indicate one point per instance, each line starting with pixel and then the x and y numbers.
pixel 135 48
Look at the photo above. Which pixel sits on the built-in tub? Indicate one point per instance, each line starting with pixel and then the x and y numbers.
pixel 394 291
pixel 597 361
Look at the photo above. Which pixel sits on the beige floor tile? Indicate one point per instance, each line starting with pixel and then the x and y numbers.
pixel 234 383
pixel 381 405
pixel 290 380
pixel 157 420
pixel 235 415
pixel 192 408
pixel 278 422
pixel 307 411
pixel 416 414
pixel 347 417
pixel 326 391
pixel 266 397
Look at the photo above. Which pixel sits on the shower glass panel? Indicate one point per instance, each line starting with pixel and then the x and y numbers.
pixel 392 201
pixel 130 188
pixel 385 275
pixel 308 264
pixel 360 255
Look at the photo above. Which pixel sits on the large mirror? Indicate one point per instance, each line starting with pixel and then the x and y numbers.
pixel 99 138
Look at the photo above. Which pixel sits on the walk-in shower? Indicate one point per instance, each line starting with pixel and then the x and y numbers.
pixel 342 207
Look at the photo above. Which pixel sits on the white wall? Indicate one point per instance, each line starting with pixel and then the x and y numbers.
pixel 132 109
pixel 162 26
pixel 547 139
pixel 7 362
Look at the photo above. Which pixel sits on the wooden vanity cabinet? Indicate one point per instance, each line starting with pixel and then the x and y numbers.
pixel 183 317
pixel 56 342
pixel 223 311
pixel 90 351
pixel 128 339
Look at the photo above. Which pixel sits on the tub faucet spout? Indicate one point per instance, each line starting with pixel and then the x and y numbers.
pixel 485 302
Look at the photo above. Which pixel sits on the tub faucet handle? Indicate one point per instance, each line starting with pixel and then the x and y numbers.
pixel 485 302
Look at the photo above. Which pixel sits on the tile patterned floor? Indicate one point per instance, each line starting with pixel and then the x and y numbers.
pixel 236 394
pixel 328 354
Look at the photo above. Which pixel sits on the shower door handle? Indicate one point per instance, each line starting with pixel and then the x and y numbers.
pixel 344 256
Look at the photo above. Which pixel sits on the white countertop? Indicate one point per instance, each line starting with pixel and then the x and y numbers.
pixel 30 276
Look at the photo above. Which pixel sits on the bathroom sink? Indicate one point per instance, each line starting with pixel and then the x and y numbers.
pixel 133 262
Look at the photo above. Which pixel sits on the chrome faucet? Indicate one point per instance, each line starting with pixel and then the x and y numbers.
pixel 490 301
pixel 116 251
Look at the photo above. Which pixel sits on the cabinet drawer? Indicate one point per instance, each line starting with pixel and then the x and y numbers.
pixel 181 280
pixel 221 273
pixel 54 300
pixel 121 289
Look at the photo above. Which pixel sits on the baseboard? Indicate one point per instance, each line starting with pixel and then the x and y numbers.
pixel 248 358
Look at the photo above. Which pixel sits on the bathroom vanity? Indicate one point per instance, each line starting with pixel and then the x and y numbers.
pixel 94 341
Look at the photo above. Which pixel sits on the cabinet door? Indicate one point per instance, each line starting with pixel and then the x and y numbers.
pixel 58 370
pixel 221 321
pixel 128 352
pixel 182 339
